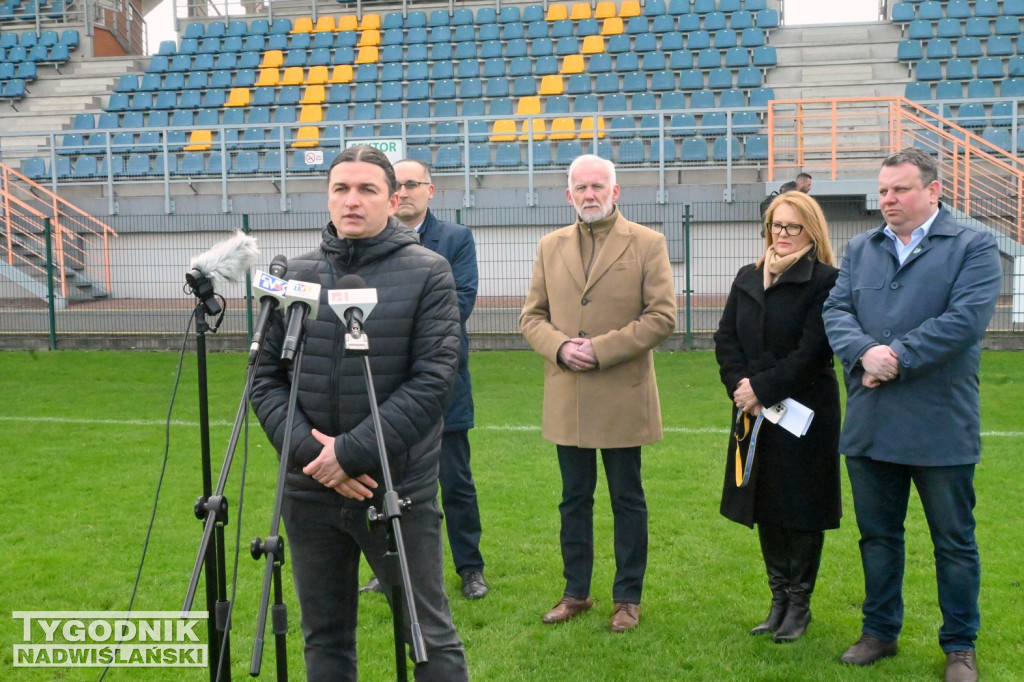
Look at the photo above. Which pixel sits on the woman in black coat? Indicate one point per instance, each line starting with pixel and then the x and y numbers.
pixel 771 345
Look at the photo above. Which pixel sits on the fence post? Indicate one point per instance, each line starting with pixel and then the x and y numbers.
pixel 51 303
pixel 688 261
pixel 248 282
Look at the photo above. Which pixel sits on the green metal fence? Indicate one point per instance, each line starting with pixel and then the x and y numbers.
pixel 148 306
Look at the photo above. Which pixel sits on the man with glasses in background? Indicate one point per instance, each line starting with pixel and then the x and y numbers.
pixel 458 490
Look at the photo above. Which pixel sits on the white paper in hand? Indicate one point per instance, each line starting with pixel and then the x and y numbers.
pixel 791 415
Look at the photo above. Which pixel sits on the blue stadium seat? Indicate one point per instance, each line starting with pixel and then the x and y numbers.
pixel 919 29
pixel 541 47
pixel 1007 26
pixel 1012 87
pixel 673 100
pixel 767 18
pixel 618 43
pixel 470 88
pixel 688 22
pixel 653 61
pixel 524 86
pixel 957 69
pixel 682 125
pixel 621 126
pixel 745 122
pixel 971 115
pixel 698 40
pixel 725 38
pixel 694 150
pixel 585 104
pixel 938 48
pixel 691 79
pixel 931 10
pixel 1000 137
pixel 439 17
pixel 562 28
pixel 1014 8
pixel 637 25
pixel 649 124
pixel 635 81
pixel 732 98
pixel 760 96
pixel 645 42
pixel 917 91
pixel 709 58
pixel 606 83
pixel 557 104
pixel 713 123
pixel 969 47
pixel 631 152
pixel 928 70
pixel 702 99
pixel 496 87
pixel 508 154
pixel 736 57
pixel 995 46
pixel 748 77
pixel 615 101
pixel 975 26
pixel 756 148
pixel 677 7
pixel 663 81
pixel 671 41
pixel 981 89
pixel 1015 66
pixel 578 84
pixel 1002 114
pixel 720 78
pixel 958 9
pixel 715 21
pixel 727 148
pixel 990 67
pixel 643 101
pixel 489 32
pixel 949 89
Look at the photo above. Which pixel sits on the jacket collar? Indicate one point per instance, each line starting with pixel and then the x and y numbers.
pixel 619 236
pixel 354 252
pixel 752 281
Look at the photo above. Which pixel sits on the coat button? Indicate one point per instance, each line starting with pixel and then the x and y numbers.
pixel 581 334
pixel 894 285
pixel 584 301
pixel 887 333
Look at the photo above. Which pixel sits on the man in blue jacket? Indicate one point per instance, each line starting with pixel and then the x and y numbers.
pixel 458 490
pixel 906 318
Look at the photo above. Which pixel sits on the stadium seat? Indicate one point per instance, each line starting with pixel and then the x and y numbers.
pixel 928 70
pixel 957 69
pixel 971 115
pixel 990 67
pixel 949 89
pixel 918 29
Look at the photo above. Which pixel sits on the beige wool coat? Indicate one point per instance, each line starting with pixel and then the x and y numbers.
pixel 626 308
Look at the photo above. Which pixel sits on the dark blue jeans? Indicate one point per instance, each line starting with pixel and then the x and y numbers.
pixel 629 508
pixel 324 543
pixel 881 491
pixel 458 500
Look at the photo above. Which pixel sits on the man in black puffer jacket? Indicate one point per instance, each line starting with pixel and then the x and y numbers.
pixel 414 347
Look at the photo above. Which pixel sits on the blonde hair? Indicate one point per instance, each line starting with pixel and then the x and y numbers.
pixel 811 217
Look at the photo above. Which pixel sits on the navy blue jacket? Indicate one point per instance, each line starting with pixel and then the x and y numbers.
pixel 932 311
pixel 455 243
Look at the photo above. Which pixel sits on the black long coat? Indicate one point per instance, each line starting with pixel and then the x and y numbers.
pixel 777 340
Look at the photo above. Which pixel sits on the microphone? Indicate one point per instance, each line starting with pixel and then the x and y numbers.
pixel 303 301
pixel 271 290
pixel 225 261
pixel 353 303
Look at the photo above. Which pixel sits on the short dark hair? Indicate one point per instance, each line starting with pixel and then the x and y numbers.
pixel 802 176
pixel 423 164
pixel 917 157
pixel 367 154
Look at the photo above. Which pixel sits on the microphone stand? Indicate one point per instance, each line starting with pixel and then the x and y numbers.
pixel 273 547
pixel 357 343
pixel 215 507
pixel 213 555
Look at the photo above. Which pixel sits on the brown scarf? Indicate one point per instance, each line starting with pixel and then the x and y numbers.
pixel 775 265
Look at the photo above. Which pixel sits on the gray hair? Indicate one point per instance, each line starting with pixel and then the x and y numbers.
pixel 592 158
pixel 917 157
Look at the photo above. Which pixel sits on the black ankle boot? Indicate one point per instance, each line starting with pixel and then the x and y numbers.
pixel 775 550
pixel 805 560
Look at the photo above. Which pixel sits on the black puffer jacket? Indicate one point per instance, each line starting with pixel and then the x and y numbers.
pixel 414 347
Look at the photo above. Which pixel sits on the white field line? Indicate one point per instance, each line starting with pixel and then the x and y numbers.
pixel 483 427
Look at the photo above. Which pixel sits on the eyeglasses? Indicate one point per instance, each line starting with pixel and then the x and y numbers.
pixel 410 185
pixel 792 230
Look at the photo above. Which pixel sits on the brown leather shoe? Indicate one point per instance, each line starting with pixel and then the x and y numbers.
pixel 867 650
pixel 624 617
pixel 961 666
pixel 567 609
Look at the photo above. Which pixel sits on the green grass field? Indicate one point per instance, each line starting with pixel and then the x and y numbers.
pixel 82 452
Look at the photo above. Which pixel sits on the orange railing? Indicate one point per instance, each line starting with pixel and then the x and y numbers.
pixel 26 206
pixel 846 138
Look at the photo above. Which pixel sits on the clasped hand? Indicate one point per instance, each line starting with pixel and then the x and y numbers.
pixel 326 471
pixel 881 365
pixel 745 399
pixel 578 354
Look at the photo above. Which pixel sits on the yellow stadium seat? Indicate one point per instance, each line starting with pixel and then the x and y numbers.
pixel 369 38
pixel 269 77
pixel 605 9
pixel 551 85
pixel 573 63
pixel 199 141
pixel 370 21
pixel 563 128
pixel 313 94
pixel 308 136
pixel 557 12
pixel 538 127
pixel 324 25
pixel 580 10
pixel 311 113
pixel 303 25
pixel 342 73
pixel 592 45
pixel 238 97
pixel 587 128
pixel 317 75
pixel 367 55
pixel 629 8
pixel 504 130
pixel 293 75
pixel 272 59
pixel 612 26
pixel 528 106
pixel 348 23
